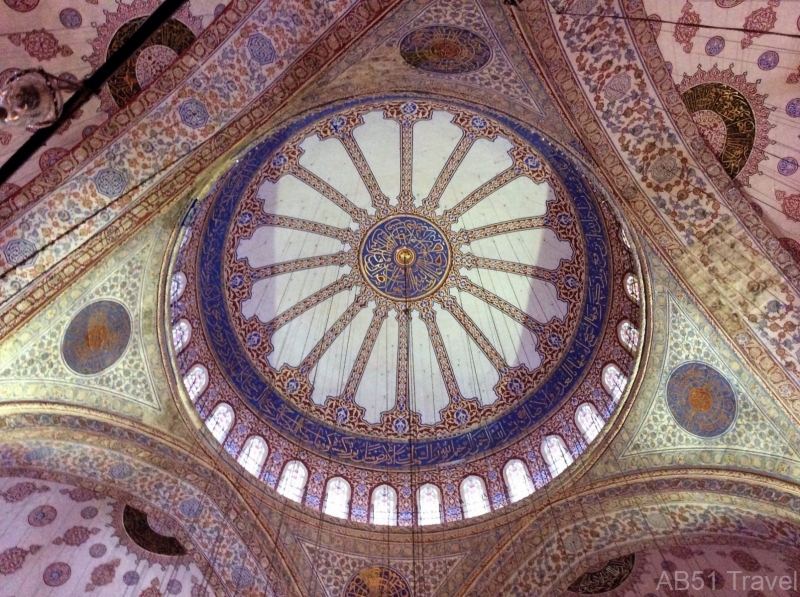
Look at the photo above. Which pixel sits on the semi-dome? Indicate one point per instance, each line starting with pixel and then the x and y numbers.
pixel 405 285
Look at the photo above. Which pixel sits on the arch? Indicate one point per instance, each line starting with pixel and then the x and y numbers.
pixel 614 381
pixel 181 334
pixel 429 504
pixel 253 455
pixel 177 286
pixel 220 421
pixel 474 500
pixel 588 421
pixel 556 454
pixel 628 335
pixel 518 481
pixel 633 288
pixel 383 506
pixel 293 481
pixel 196 381
pixel 337 498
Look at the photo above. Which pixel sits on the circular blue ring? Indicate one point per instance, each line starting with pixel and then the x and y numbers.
pixel 366 451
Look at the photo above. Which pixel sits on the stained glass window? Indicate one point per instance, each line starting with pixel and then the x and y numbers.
pixel 628 335
pixel 337 498
pixel 181 334
pixel 614 381
pixel 293 481
pixel 556 454
pixel 632 288
pixel 474 500
pixel 518 481
pixel 589 422
pixel 253 455
pixel 220 421
pixel 384 506
pixel 196 381
pixel 177 286
pixel 430 504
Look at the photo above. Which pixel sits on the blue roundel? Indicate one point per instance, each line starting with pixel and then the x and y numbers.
pixel 405 257
pixel 701 399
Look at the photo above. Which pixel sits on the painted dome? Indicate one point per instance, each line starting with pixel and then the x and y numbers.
pixel 399 283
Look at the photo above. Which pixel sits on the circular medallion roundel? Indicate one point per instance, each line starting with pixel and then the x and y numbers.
pixel 445 50
pixel 405 257
pixel 731 118
pixel 96 337
pixel 377 581
pixel 394 276
pixel 701 399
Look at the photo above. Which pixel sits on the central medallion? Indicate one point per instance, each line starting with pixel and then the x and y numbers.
pixel 405 257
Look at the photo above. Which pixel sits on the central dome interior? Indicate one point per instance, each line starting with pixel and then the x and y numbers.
pixel 406 283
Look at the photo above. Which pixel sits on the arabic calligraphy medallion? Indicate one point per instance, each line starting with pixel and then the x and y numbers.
pixel 405 257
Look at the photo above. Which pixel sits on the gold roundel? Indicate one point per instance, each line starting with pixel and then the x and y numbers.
pixel 405 257
pixel 700 399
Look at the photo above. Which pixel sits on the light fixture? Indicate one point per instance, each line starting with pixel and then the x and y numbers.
pixel 30 98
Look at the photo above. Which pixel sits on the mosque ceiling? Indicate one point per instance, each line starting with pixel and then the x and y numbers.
pixel 72 39
pixel 740 90
pixel 704 453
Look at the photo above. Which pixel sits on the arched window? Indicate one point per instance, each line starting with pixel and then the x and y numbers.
pixel 337 498
pixel 628 335
pixel 429 502
pixel 589 422
pixel 293 481
pixel 384 506
pixel 181 334
pixel 474 500
pixel 177 286
pixel 614 381
pixel 220 421
pixel 196 381
pixel 624 236
pixel 556 455
pixel 632 288
pixel 518 481
pixel 253 455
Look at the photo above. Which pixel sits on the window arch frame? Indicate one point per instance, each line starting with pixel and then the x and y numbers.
pixel 203 386
pixel 485 505
pixel 632 347
pixel 182 347
pixel 345 510
pixel 548 457
pixel 392 514
pixel 637 297
pixel 512 497
pixel 580 427
pixel 283 482
pixel 176 296
pixel 439 503
pixel 607 388
pixel 260 468
pixel 212 416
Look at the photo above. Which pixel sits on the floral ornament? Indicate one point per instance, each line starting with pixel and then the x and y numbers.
pixel 687 27
pixel 103 575
pixel 40 44
pixel 790 205
pixel 731 116
pixel 759 22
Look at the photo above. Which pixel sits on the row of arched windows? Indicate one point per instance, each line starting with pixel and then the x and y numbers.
pixel 383 505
